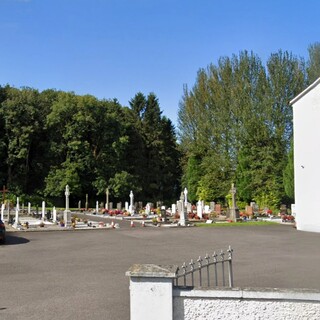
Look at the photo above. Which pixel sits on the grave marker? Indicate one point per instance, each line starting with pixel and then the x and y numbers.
pixel 67 212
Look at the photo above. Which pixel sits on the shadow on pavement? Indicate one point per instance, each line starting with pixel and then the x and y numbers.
pixel 13 240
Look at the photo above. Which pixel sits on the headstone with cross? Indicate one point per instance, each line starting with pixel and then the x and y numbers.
pixel 234 211
pixel 67 212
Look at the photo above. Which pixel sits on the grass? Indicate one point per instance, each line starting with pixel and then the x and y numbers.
pixel 236 224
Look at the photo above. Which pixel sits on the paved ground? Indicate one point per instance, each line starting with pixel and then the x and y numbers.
pixel 81 274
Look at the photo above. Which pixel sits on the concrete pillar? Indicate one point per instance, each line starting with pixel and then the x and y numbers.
pixel 151 291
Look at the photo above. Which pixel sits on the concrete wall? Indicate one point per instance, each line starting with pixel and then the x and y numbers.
pixel 153 296
pixel 246 304
pixel 306 121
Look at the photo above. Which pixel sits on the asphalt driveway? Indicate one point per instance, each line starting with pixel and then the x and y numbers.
pixel 81 274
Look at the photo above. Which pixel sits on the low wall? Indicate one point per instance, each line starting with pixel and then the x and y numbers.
pixel 246 304
pixel 153 296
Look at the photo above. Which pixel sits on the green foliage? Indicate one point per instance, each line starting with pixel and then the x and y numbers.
pixel 288 176
pixel 237 119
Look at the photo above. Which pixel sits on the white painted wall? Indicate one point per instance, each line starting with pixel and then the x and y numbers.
pixel 306 123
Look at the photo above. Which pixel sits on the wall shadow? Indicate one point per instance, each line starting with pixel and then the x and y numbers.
pixel 14 240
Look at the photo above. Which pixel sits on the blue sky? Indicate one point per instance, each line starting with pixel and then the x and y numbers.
pixel 116 48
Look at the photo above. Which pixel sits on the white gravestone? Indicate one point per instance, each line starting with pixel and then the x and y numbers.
pixel 16 221
pixel 29 208
pixel 148 208
pixel 173 209
pixel 43 210
pixel 126 206
pixel 2 211
pixel 185 197
pixel 131 202
pixel 199 209
pixel 182 221
pixel 97 207
pixel 54 214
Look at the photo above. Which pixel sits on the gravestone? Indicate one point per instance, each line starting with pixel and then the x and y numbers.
pixel 2 211
pixel 217 208
pixel 97 207
pixel 54 214
pixel 234 211
pixel 189 208
pixel 16 221
pixel 79 204
pixel 148 208
pixel 199 209
pixel 131 208
pixel 140 205
pixel 182 205
pixel 173 209
pixel 207 209
pixel 212 205
pixel 43 211
pixel 29 208
pixel 67 212
pixel 110 205
pixel 87 202
pixel 119 206
pixel 126 206
pixel 283 209
pixel 249 210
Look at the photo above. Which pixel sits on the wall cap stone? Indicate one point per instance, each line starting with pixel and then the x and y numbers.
pixel 152 271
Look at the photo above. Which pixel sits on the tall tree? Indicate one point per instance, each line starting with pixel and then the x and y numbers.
pixel 314 62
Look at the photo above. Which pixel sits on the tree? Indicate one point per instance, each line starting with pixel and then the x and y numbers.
pixel 313 68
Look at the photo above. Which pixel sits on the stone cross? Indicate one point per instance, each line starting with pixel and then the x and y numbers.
pixel 182 213
pixel 234 212
pixel 67 213
pixel 185 196
pixel 131 202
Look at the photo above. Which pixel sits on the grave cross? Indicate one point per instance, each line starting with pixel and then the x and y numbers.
pixel 233 192
pixel 4 191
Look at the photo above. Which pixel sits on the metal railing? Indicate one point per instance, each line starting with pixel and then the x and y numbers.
pixel 201 272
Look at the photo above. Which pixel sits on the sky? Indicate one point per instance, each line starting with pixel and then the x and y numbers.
pixel 117 48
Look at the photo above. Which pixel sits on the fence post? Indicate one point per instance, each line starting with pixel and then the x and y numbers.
pixel 151 291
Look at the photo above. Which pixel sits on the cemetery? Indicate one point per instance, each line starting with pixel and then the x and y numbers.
pixel 180 214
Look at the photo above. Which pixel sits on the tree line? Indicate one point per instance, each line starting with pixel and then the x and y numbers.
pixel 53 138
pixel 235 125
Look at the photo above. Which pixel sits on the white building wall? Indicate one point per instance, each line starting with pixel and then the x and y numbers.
pixel 306 115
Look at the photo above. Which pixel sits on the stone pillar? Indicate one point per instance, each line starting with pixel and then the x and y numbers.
pixel 29 208
pixel 151 291
pixel 67 212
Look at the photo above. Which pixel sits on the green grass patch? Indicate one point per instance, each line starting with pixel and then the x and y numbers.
pixel 236 224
